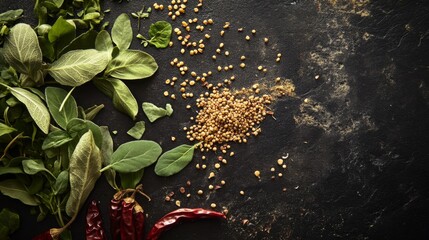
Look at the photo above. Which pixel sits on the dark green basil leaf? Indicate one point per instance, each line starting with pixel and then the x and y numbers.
pixel 84 41
pixel 91 112
pixel 85 165
pixel 77 127
pixel 131 65
pixel 106 152
pixel 174 160
pixel 47 48
pixel 5 129
pixel 78 66
pixel 10 16
pixel 135 155
pixel 22 50
pixel 32 167
pixel 137 130
pixel 61 34
pixel 15 189
pixel 131 180
pixel 54 99
pixel 160 34
pixel 122 33
pixel 61 183
pixel 56 139
pixel 10 170
pixel 122 98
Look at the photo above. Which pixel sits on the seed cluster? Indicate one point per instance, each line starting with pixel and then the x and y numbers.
pixel 227 116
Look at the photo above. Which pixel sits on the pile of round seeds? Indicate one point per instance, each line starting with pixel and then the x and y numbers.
pixel 226 116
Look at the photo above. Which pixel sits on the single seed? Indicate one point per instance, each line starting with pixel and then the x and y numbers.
pixel 222 33
pixel 253 31
pixel 221 45
pixel 264 70
pixel 200 192
pixel 178 203
pixel 224 161
pixel 279 55
pixel 213 205
pixel 284 166
pixel 231 154
pixel 210 21
pixel 242 65
pixel 280 174
pixel 182 51
pixel 257 174
pixel 242 58
pixel 247 37
pixel 165 93
pixel 217 165
pixel 230 67
pixel 260 68
pixel 218 50
pixel 173 96
pixel 280 161
pixel 211 187
pixel 211 175
pixel 266 40
pixel 222 182
pixel 226 53
pixel 170 44
pixel 173 138
pixel 196 10
pixel 204 166
pixel 188 106
pixel 207 35
pixel 242 192
pixel 272 169
pixel 278 59
pixel 197 166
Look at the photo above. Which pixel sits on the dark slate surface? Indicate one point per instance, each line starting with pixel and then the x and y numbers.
pixel 358 147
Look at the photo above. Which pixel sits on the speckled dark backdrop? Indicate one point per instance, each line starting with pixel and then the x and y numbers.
pixel 358 146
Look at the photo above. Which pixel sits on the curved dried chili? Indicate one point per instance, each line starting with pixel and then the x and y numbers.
pixel 138 221
pixel 180 215
pixel 115 213
pixel 127 221
pixel 94 228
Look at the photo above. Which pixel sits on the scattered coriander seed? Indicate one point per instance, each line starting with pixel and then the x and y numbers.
pixel 196 10
pixel 222 33
pixel 178 203
pixel 213 205
pixel 188 106
pixel 257 174
pixel 278 59
pixel 173 138
pixel 221 45
pixel 210 21
pixel 284 166
pixel 204 166
pixel 280 161
pixel 197 166
pixel 253 31
pixel 242 192
pixel 211 175
pixel 222 182
pixel 173 17
pixel 260 68
pixel 265 70
pixel 219 68
pixel 279 55
pixel 280 174
pixel 266 40
pixel 170 44
pixel 217 165
pixel 182 51
pixel 272 169
pixel 211 187
pixel 188 195
pixel 194 20
pixel 224 161
pixel 167 198
pixel 231 154
pixel 203 157
pixel 242 65
pixel 214 57
pixel 200 192
pixel 226 53
pixel 166 93
pixel 182 190
pixel 226 68
pixel 218 50
pixel 242 58
pixel 247 37
pixel 207 36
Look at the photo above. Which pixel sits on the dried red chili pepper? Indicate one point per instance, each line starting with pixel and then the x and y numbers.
pixel 138 221
pixel 127 221
pixel 46 235
pixel 94 223
pixel 115 218
pixel 182 214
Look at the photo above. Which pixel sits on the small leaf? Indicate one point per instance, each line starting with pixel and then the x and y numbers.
pixel 61 34
pixel 10 16
pixel 10 170
pixel 103 42
pixel 54 98
pixel 174 160
pixel 137 130
pixel 9 219
pixel 122 97
pixel 15 189
pixel 56 139
pixel 135 155
pixel 61 183
pixel 32 167
pixel 91 112
pixel 160 34
pixel 22 50
pixel 84 41
pixel 35 107
pixel 153 112
pixel 78 66
pixel 106 152
pixel 122 33
pixel 131 65
pixel 85 164
pixel 5 129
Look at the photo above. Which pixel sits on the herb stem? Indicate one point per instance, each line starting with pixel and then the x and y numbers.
pixel 65 99
pixel 60 216
pixel 105 168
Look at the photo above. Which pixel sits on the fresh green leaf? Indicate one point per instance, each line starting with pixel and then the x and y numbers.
pixel 47 48
pixel 85 165
pixel 122 98
pixel 56 139
pixel 61 183
pixel 133 156
pixel 9 219
pixel 78 66
pixel 15 189
pixel 84 41
pixel 131 180
pixel 32 167
pixel 35 107
pixel 54 99
pixel 132 64
pixel 10 170
pixel 174 160
pixel 153 112
pixel 36 184
pixel 138 130
pixel 91 112
pixel 5 129
pixel 22 50
pixel 122 33
pixel 103 42
pixel 10 16
pixel 78 127
pixel 160 34
pixel 61 34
